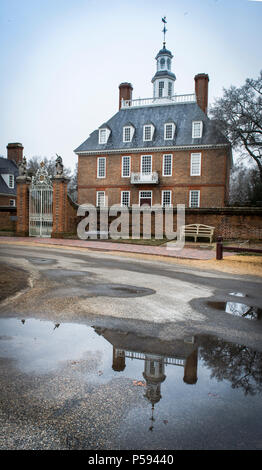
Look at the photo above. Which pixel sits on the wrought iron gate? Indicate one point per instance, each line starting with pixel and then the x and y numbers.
pixel 41 204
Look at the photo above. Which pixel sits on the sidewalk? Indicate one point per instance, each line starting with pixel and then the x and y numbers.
pixel 185 253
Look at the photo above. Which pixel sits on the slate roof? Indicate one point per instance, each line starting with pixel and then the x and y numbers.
pixel 182 114
pixel 7 167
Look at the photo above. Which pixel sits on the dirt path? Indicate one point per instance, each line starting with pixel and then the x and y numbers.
pixel 12 280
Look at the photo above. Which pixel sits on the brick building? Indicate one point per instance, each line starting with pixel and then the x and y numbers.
pixel 163 150
pixel 8 186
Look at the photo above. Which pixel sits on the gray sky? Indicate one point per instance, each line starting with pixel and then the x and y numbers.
pixel 62 60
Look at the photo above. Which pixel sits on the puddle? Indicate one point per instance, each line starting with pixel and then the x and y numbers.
pixel 189 393
pixel 41 260
pixel 62 273
pixel 238 309
pixel 237 294
pixel 104 290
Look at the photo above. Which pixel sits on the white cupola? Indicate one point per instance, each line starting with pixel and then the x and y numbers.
pixel 163 80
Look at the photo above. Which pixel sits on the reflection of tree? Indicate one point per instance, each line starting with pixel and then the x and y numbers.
pixel 240 365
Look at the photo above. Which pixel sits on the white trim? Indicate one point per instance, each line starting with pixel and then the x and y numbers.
pixel 152 132
pixel 122 166
pixel 145 191
pixel 141 159
pixel 190 197
pixel 199 163
pixel 14 203
pixel 162 196
pixel 173 130
pixel 154 149
pixel 121 202
pixel 97 192
pixel 97 170
pixel 193 129
pixel 132 130
pixel 6 177
pixel 107 134
pixel 163 164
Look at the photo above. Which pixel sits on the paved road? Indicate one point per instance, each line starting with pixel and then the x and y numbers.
pixel 69 285
pixel 60 387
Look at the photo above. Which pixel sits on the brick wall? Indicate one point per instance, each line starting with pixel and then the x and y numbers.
pixel 7 218
pixel 213 182
pixel 230 222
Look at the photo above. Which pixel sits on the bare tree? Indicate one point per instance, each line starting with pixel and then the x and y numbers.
pixel 239 116
pixel 72 186
pixel 33 165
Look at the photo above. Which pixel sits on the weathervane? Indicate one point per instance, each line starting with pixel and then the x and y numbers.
pixel 164 30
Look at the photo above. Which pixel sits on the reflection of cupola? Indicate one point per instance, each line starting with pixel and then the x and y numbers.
pixel 119 360
pixel 154 376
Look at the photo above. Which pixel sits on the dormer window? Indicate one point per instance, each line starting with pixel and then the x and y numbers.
pixel 148 132
pixel 197 128
pixel 11 181
pixel 169 131
pixel 128 132
pixel 104 133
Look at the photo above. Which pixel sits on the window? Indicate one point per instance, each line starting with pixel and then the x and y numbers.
pixel 168 64
pixel 148 132
pixel 169 89
pixel 126 167
pixel 128 132
pixel 125 198
pixel 103 135
pixel 167 165
pixel 195 166
pixel 194 198
pixel 146 164
pixel 101 167
pixel 166 199
pixel 197 127
pixel 162 63
pixel 169 131
pixel 145 197
pixel 11 181
pixel 12 202
pixel 100 198
pixel 161 89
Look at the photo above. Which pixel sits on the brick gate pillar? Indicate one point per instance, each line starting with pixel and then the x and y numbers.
pixel 60 206
pixel 22 224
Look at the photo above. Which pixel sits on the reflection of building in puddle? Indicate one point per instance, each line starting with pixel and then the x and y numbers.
pixel 156 354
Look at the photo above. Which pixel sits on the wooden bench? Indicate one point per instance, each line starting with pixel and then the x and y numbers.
pixel 197 230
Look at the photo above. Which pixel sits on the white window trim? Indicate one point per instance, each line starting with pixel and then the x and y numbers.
pixel 190 197
pixel 124 205
pixel 162 197
pixel 173 130
pixel 132 130
pixel 122 175
pixel 141 163
pixel 145 191
pixel 98 159
pixel 193 129
pixel 6 178
pixel 191 164
pixel 107 134
pixel 14 202
pixel 163 169
pixel 103 192
pixel 152 132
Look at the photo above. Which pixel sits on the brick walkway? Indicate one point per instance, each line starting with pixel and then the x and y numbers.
pixel 186 253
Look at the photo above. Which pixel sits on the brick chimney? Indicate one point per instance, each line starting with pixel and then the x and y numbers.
pixel 15 152
pixel 125 92
pixel 201 90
